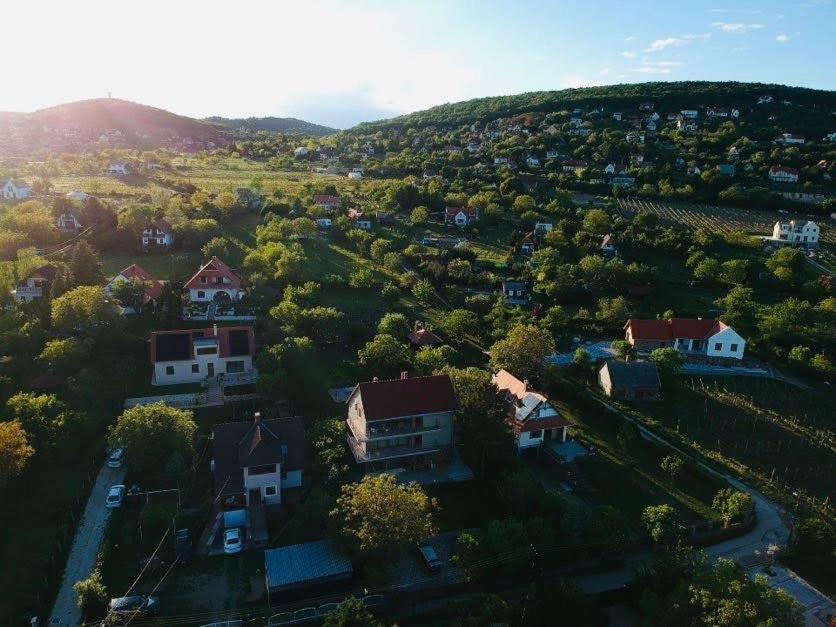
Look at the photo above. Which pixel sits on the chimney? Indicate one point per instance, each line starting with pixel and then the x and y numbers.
pixel 404 375
pixel 215 329
pixel 375 379
pixel 527 385
pixel 257 417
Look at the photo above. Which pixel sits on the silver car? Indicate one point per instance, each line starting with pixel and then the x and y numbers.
pixel 115 497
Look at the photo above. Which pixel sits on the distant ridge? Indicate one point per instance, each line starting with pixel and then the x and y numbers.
pixel 288 126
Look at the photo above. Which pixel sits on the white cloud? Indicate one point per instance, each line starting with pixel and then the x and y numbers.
pixel 575 80
pixel 700 36
pixel 782 38
pixel 604 71
pixel 736 27
pixel 656 67
pixel 737 11
pixel 662 44
pixel 629 54
pixel 629 38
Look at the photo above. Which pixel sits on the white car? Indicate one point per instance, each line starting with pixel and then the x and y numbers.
pixel 115 497
pixel 115 459
pixel 232 541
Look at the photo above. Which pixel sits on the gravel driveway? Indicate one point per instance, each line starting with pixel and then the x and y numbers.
pixel 86 545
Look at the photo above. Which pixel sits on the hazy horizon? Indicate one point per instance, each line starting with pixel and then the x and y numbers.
pixel 339 64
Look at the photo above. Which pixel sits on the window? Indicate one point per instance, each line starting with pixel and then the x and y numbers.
pixel 718 346
pixel 235 366
pixel 535 435
pixel 264 469
pixel 169 370
pixel 209 350
pixel 270 490
pixel 203 279
pixel 201 294
pixel 195 368
pixel 734 348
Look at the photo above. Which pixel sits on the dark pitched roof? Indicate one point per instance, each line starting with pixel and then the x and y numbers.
pixel 424 337
pixel 407 397
pixel 239 444
pixel 177 345
pixel 635 374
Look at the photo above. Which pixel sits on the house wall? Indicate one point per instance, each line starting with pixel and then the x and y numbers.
pixel 183 369
pixel 604 381
pixel 251 482
pixel 293 480
pixel 207 294
pixel 526 441
pixel 726 338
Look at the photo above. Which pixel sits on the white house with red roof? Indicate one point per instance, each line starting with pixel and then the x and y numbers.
pixel 461 216
pixel 783 174
pixel 16 189
pixel 691 336
pixel 215 281
pixel 532 417
pixel 158 233
pixel 153 287
pixel 327 201
pixel 195 355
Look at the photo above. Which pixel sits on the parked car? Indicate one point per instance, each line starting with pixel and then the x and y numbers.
pixel 183 550
pixel 232 540
pixel 115 459
pixel 138 605
pixel 430 557
pixel 115 497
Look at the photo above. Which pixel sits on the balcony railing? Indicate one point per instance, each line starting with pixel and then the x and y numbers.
pixel 361 455
pixel 364 433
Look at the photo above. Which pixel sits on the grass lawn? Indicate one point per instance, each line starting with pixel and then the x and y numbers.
pixel 464 505
pixel 765 424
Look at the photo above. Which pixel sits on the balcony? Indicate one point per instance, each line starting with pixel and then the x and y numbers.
pixel 366 432
pixel 362 456
pixel 25 292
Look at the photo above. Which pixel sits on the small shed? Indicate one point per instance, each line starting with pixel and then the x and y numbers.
pixel 636 380
pixel 308 564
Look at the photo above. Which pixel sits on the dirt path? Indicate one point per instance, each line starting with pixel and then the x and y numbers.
pixel 85 549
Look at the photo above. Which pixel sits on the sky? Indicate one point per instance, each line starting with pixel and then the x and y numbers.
pixel 340 63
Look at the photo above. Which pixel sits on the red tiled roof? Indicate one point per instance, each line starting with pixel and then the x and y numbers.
pixel 406 397
pixel 424 337
pixel 327 200
pixel 782 168
pixel 222 335
pixel 470 212
pixel 211 270
pixel 668 330
pixel 540 423
pixel 154 287
pixel 162 225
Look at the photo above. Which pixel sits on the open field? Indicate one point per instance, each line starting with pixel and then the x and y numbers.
pixel 780 432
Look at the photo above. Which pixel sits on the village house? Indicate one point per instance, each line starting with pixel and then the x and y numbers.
pixel 764 99
pixel 78 196
pixel 214 281
pixel 516 292
pixel 195 355
pixel 616 116
pixel 355 175
pixel 633 380
pixel 68 221
pixel 16 189
pixel 635 137
pixel 461 216
pixel 690 114
pixel 255 464
pixel 35 284
pixel 795 232
pixel 646 106
pixel 553 154
pixel 690 336
pixel 533 419
pixel 153 287
pixel 421 336
pixel 118 169
pixel 726 169
pixel 324 223
pixel 790 139
pixel 528 243
pixel 573 166
pixel 360 220
pixel 326 201
pixel 608 248
pixel 301 151
pixel 402 423
pixel 158 233
pixel 532 162
pixel 623 180
pixel 693 170
pixel 783 174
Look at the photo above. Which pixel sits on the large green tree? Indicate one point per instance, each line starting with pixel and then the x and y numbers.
pixel 152 434
pixel 523 351
pixel 83 308
pixel 85 267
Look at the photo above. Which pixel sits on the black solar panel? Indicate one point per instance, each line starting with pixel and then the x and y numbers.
pixel 173 346
pixel 239 343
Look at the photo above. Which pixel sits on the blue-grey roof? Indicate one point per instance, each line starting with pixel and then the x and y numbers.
pixel 308 563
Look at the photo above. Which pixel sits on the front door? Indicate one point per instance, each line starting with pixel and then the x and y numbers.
pixel 210 369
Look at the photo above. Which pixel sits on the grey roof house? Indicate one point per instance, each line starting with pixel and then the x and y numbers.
pixel 636 380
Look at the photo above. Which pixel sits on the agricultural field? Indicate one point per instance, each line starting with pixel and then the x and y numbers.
pixel 780 432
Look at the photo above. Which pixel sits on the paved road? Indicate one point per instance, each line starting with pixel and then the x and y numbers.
pixel 752 550
pixel 86 545
pixel 821 268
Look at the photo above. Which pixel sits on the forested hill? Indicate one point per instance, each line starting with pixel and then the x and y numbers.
pixel 288 126
pixel 667 96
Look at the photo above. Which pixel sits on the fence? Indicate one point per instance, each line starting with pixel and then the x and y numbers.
pixel 307 614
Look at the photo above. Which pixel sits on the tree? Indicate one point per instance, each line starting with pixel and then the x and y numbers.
pixel 394 324
pixel 84 308
pixel 351 613
pixel 130 293
pixel 607 527
pixel 433 359
pixel 672 466
pixel 628 435
pixel 419 216
pixel 486 440
pixel 362 278
pixel 668 360
pixel 151 434
pixel 733 505
pixel 379 516
pixel 707 270
pixel 459 323
pixel 814 543
pixel 65 355
pixel 523 351
pixel 735 271
pixel 660 522
pixel 558 602
pixel 15 451
pixel 596 221
pixel 788 322
pixel 613 311
pixel 85 267
pixel 622 349
pixel 91 594
pixel 786 263
pixel 738 308
pixel 385 356
pixel 423 290
pixel 524 203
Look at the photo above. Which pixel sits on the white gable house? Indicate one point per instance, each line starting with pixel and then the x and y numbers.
pixel 15 189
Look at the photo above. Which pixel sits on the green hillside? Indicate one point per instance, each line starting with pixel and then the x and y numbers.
pixel 288 126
